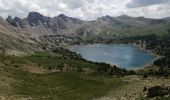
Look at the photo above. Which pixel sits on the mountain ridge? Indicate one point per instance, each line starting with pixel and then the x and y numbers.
pixel 37 23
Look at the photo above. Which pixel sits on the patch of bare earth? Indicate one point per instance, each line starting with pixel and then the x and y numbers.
pixel 37 70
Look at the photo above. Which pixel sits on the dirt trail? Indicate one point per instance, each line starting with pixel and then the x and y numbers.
pixel 134 88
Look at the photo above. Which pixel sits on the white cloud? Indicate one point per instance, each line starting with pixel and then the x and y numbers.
pixel 153 11
pixel 86 9
pixel 141 3
pixel 62 5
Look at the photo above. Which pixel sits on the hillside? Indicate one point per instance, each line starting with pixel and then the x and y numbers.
pixel 18 41
pixel 14 41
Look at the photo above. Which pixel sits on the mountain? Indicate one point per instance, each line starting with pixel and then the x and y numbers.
pixel 23 36
pixel 36 31
pixel 39 24
pixel 36 23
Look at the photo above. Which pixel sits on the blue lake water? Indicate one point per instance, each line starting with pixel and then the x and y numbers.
pixel 124 56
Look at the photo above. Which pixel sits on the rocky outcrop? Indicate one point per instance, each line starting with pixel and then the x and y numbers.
pixel 158 90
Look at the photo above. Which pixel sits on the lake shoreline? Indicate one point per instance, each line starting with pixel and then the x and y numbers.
pixel 130 45
pixel 149 51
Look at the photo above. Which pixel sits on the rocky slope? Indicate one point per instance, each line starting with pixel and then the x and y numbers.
pixel 14 40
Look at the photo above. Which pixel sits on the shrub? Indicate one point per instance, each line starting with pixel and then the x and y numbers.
pixel 145 76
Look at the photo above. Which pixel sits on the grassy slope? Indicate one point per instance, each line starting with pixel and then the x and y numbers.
pixel 64 86
pixel 17 84
pixel 52 62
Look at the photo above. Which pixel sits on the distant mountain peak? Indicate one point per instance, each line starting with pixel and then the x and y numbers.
pixel 17 19
pixel 34 14
pixel 66 18
pixel 108 16
pixel 34 18
pixel 105 17
pixel 10 20
pixel 124 16
pixel 62 16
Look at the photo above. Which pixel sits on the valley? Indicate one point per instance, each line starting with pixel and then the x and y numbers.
pixel 36 64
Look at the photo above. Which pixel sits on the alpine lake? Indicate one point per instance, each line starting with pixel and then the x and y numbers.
pixel 124 56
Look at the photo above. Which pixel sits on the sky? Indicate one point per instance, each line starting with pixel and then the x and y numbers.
pixel 86 9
